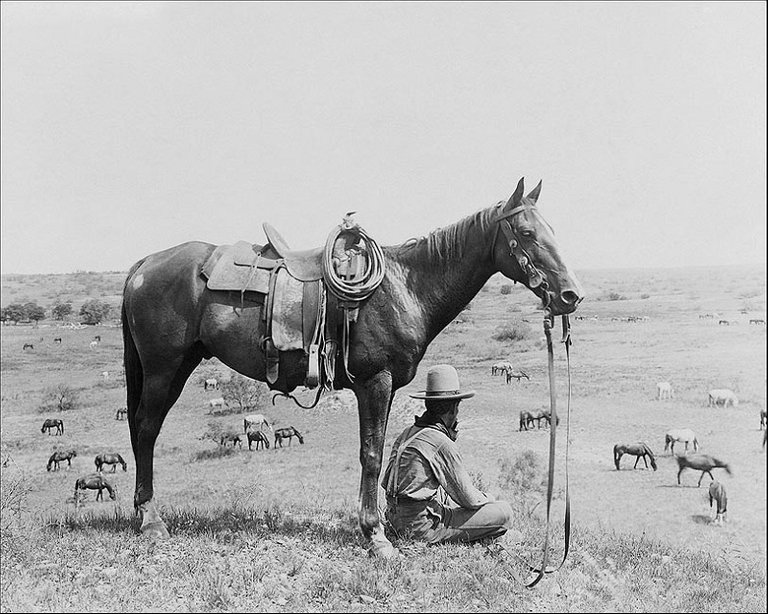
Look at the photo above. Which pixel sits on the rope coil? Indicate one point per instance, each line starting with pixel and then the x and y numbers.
pixel 362 286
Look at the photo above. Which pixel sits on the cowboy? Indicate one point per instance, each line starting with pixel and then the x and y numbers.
pixel 430 495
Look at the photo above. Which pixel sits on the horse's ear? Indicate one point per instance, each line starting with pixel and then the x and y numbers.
pixel 515 199
pixel 534 194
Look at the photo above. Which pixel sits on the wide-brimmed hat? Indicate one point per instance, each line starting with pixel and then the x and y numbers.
pixel 443 384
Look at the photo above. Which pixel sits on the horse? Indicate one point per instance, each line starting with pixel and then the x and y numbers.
pixel 171 321
pixel 763 419
pixel 213 404
pixel 722 396
pixel 212 383
pixel 684 435
pixel 287 433
pixel 28 346
pixel 257 420
pixel 757 321
pixel 717 493
pixel 53 423
pixel 233 437
pixel 500 368
pixel 664 391
pixel 95 482
pixel 94 344
pixel 639 449
pixel 122 412
pixel 97 338
pixel 109 459
pixel 527 418
pixel 57 340
pixel 58 457
pixel 518 375
pixel 260 439
pixel 700 462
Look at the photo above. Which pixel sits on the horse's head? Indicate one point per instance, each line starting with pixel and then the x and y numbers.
pixel 301 439
pixel 530 255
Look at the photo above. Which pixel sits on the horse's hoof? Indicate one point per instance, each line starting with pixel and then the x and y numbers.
pixel 156 530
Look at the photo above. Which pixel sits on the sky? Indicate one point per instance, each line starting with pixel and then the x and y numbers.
pixel 128 128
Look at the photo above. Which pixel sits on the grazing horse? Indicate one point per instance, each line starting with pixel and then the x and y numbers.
pixel 518 375
pixel 58 457
pixel 717 493
pixel 255 420
pixel 757 321
pixel 109 459
pixel 122 412
pixel 171 321
pixel 95 482
pixel 53 423
pixel 500 368
pixel 232 437
pixel 683 435
pixel 28 346
pixel 700 462
pixel 527 418
pixel 664 391
pixel 57 340
pixel 260 439
pixel 211 383
pixel 639 449
pixel 287 433
pixel 213 404
pixel 722 396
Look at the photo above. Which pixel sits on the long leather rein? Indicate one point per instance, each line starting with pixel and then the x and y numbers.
pixel 548 325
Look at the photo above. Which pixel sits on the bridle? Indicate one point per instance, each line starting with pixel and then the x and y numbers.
pixel 535 278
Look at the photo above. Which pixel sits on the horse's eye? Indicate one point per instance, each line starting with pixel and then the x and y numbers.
pixel 526 233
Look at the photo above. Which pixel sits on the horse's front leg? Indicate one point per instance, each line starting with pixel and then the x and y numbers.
pixel 374 399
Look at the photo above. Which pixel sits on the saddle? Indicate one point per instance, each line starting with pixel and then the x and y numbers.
pixel 291 287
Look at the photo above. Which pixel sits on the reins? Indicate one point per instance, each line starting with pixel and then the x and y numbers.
pixel 566 339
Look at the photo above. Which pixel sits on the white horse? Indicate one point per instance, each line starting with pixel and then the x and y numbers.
pixel 257 420
pixel 94 344
pixel 220 402
pixel 723 396
pixel 683 435
pixel 211 383
pixel 664 391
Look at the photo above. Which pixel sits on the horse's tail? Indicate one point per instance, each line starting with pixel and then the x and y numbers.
pixel 616 456
pixel 50 463
pixel 134 373
pixel 122 462
pixel 97 462
pixel 667 441
pixel 695 444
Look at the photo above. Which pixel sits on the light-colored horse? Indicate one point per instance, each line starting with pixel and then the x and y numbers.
pixel 501 368
pixel 717 493
pixel 256 420
pixel 664 391
pixel 220 402
pixel 723 396
pixel 682 435
pixel 211 383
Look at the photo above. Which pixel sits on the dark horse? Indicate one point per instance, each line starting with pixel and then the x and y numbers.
pixel 60 457
pixel 287 433
pixel 96 482
pixel 260 439
pixel 527 418
pixel 639 449
pixel 109 459
pixel 701 462
pixel 53 423
pixel 171 322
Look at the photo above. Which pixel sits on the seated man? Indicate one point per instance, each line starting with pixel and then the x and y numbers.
pixel 430 495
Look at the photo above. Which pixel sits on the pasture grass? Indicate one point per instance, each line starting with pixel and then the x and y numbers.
pixel 236 558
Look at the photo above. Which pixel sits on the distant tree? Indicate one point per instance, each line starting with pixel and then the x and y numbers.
pixel 61 397
pixel 61 310
pixel 245 392
pixel 33 312
pixel 506 289
pixel 14 312
pixel 94 311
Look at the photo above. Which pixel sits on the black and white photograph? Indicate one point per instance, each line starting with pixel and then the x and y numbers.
pixel 383 306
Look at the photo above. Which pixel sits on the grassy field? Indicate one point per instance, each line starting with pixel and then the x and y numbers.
pixel 275 530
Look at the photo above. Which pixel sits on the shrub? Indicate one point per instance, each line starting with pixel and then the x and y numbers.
pixel 506 289
pixel 214 453
pixel 523 474
pixel 517 331
pixel 243 393
pixel 60 398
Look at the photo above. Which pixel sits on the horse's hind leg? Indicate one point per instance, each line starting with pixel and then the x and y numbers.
pixel 160 391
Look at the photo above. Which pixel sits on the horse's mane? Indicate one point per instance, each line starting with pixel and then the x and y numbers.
pixel 448 242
